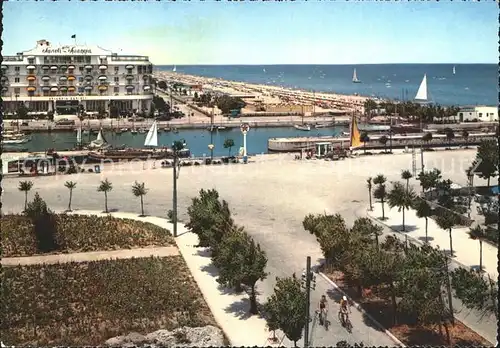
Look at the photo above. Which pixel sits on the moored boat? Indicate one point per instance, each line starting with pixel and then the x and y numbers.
pixel 303 127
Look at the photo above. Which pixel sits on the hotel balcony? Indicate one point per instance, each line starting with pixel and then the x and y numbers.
pixel 129 58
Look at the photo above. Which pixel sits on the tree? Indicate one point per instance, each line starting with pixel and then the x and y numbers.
pixel 105 186
pixel 429 180
pixel 25 186
pixel 162 85
pixel 479 234
pixel 450 135
pixel 160 104
pixel 401 198
pixel 474 291
pixel 195 96
pixel 487 161
pixel 364 138
pixel 427 138
pixel 406 175
pixel 465 135
pixel 22 111
pixel 228 144
pixel 44 224
pixel 245 267
pixel 380 192
pixel 446 221
pixel 369 185
pixel 140 190
pixel 369 105
pixel 70 185
pixel 288 304
pixel 383 140
pixel 424 211
pixel 365 227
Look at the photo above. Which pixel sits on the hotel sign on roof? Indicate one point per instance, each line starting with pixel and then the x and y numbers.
pixel 67 50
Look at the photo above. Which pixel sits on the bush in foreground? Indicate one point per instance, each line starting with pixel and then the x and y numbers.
pixel 87 303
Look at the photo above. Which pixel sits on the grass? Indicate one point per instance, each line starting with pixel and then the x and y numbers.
pixel 408 333
pixel 79 233
pixel 88 303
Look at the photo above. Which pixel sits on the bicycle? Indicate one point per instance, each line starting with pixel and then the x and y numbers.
pixel 344 320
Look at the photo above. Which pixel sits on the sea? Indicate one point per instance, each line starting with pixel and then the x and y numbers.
pixel 472 84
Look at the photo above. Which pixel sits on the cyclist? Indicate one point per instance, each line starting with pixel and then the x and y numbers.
pixel 323 308
pixel 344 308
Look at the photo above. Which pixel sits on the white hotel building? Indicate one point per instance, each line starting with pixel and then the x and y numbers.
pixel 59 79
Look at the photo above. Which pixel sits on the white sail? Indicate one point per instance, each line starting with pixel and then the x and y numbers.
pixel 100 141
pixel 422 90
pixel 354 76
pixel 152 137
pixel 454 72
pixel 174 69
pixel 79 135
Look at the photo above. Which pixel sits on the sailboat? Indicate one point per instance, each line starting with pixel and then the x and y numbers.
pixel 99 142
pixel 152 136
pixel 422 98
pixel 174 69
pixel 422 91
pixel 355 77
pixel 454 72
pixel 79 136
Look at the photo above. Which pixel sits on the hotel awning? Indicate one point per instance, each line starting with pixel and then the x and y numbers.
pixel 102 77
pixel 30 57
pixel 71 78
pixel 145 77
pixel 129 66
pixel 88 66
pixel 103 67
pixel 71 67
pixel 5 89
pixel 30 67
pixel 63 78
pixel 63 88
pixel 147 87
pixel 129 87
pixel 45 67
pixel 88 78
pixel 45 88
pixel 129 77
pixel 4 67
pixel 102 57
pixel 54 89
pixel 31 89
pixel 88 88
pixel 71 89
pixel 53 67
pixel 45 78
pixel 4 78
pixel 31 78
pixel 103 88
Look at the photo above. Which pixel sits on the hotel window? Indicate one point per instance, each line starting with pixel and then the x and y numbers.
pixel 46 93
pixel 17 69
pixel 139 69
pixel 117 89
pixel 16 79
pixel 480 114
pixel 117 79
pixel 117 69
pixel 80 68
pixel 87 59
pixel 31 61
pixel 17 90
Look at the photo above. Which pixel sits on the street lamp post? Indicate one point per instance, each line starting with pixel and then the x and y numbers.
pixel 245 127
pixel 176 147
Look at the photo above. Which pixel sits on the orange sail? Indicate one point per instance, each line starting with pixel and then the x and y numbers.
pixel 355 135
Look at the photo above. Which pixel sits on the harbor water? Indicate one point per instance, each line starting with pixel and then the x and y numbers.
pixel 197 140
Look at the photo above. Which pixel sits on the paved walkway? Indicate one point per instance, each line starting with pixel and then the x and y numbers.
pixel 466 255
pixel 466 250
pixel 91 256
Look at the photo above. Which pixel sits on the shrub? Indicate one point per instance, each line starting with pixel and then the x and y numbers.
pixel 44 224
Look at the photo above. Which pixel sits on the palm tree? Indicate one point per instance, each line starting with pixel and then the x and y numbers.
pixel 105 187
pixel 446 221
pixel 450 135
pixel 426 138
pixel 70 185
pixel 380 192
pixel 25 186
pixel 401 198
pixel 465 135
pixel 228 144
pixel 479 234
pixel 364 138
pixel 139 190
pixel 406 175
pixel 369 185
pixel 424 211
pixel 383 140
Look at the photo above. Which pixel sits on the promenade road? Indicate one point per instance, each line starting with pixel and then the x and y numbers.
pixel 269 197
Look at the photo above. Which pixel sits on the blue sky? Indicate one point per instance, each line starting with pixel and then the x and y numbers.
pixel 264 33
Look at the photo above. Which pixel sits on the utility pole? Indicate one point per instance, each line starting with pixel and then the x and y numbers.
pixel 176 147
pixel 308 283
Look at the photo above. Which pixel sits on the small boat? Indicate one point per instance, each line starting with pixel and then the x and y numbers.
pixel 174 69
pixel 355 77
pixel 167 129
pixel 175 130
pixel 142 130
pixel 100 141
pixel 454 71
pixel 221 128
pixel 123 130
pixel 118 131
pixel 211 128
pixel 86 131
pixel 318 126
pixel 303 127
pixel 346 134
pixel 133 131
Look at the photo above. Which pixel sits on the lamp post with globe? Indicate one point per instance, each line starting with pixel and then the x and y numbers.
pixel 211 148
pixel 177 146
pixel 245 127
